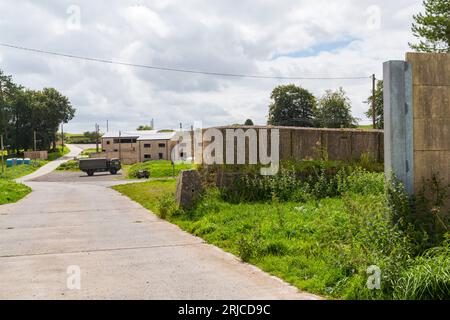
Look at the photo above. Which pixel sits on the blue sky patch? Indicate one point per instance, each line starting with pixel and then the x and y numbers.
pixel 316 49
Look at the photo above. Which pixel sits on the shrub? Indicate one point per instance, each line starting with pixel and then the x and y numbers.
pixel 248 245
pixel 167 207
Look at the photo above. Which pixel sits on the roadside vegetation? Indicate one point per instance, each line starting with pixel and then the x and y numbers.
pixel 320 229
pixel 11 191
pixel 58 153
pixel 71 165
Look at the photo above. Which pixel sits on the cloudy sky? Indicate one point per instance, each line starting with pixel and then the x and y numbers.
pixel 301 38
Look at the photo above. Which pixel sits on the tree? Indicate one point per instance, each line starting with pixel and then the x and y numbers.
pixel 92 136
pixel 144 127
pixel 23 112
pixel 379 107
pixel 291 106
pixel 57 109
pixel 248 122
pixel 334 110
pixel 433 27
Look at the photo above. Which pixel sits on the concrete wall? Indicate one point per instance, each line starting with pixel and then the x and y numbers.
pixel 431 116
pixel 127 157
pixel 36 155
pixel 314 143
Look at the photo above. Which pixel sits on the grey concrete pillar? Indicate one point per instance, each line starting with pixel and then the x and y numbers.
pixel 398 122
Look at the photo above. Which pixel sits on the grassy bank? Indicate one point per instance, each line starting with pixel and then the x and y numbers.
pixel 321 237
pixel 58 153
pixel 158 168
pixel 11 192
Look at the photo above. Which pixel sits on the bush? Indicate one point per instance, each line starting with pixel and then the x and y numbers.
pixel 167 207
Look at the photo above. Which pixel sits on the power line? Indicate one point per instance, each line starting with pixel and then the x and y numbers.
pixel 208 73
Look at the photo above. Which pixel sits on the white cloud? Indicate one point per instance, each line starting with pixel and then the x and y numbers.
pixel 235 37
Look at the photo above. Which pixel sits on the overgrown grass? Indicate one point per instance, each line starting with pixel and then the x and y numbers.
pixel 11 191
pixel 71 165
pixel 18 171
pixel 158 168
pixel 321 239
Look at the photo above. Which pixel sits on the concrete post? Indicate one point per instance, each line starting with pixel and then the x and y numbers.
pixel 398 123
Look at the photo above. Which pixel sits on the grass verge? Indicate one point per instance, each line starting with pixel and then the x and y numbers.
pixel 11 191
pixel 158 168
pixel 324 245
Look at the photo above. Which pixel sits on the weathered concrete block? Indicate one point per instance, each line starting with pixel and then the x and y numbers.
pixel 427 163
pixel 285 144
pixel 306 144
pixel 431 102
pixel 338 144
pixel 432 134
pixel 189 187
pixel 431 69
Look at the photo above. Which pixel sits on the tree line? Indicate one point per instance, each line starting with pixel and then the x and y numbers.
pixel 295 106
pixel 26 113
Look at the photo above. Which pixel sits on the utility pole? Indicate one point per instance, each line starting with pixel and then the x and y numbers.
pixel 96 137
pixel 120 145
pixel 107 125
pixel 34 139
pixel 153 124
pixel 62 135
pixel 374 113
pixel 3 154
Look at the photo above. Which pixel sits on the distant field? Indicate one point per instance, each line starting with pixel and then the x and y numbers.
pixel 365 126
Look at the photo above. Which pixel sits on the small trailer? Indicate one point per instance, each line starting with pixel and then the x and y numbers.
pixel 92 165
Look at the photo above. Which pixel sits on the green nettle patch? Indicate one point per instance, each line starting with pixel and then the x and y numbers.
pixel 319 231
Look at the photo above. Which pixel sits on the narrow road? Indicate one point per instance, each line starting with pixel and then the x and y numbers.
pixel 121 249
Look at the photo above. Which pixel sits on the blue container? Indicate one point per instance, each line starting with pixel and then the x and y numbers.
pixel 26 161
pixel 9 163
pixel 19 161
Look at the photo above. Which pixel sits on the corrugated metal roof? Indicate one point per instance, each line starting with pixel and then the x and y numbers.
pixel 141 135
pixel 157 136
